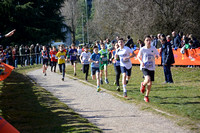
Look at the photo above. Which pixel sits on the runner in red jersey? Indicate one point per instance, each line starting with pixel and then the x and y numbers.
pixel 54 59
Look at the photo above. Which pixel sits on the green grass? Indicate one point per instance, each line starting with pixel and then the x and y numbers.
pixel 32 109
pixel 181 99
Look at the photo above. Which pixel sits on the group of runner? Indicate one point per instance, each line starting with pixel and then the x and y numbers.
pixel 99 60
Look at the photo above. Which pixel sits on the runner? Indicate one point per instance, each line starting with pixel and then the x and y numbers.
pixel 116 67
pixel 146 57
pixel 95 59
pixel 125 63
pixel 104 63
pixel 84 58
pixel 61 61
pixel 54 59
pixel 73 53
pixel 45 60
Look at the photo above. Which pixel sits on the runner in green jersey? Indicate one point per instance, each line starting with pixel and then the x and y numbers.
pixel 104 62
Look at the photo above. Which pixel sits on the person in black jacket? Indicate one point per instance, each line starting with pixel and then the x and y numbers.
pixel 16 54
pixel 167 59
pixel 129 41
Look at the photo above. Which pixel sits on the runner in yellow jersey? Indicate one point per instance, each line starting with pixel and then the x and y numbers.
pixel 61 60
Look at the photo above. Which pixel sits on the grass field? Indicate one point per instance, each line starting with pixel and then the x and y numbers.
pixel 181 99
pixel 31 109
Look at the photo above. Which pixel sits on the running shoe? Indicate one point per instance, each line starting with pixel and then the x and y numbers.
pixel 106 80
pixel 101 81
pixel 98 89
pixel 74 74
pixel 114 83
pixel 45 74
pixel 125 94
pixel 118 88
pixel 62 79
pixel 146 99
pixel 142 88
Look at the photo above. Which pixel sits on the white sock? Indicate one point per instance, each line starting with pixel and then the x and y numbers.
pixel 124 88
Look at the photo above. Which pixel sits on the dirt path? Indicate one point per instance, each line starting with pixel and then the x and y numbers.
pixel 104 110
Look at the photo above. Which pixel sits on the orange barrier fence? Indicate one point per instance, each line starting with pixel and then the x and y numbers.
pixel 190 57
pixel 6 72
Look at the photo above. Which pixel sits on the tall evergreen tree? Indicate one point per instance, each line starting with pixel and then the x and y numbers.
pixel 35 21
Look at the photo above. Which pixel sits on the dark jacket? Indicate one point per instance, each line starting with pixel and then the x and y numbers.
pixel 167 56
pixel 177 41
pixel 129 42
pixel 37 49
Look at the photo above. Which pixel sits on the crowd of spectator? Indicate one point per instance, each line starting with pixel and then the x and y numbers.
pixel 28 55
pixel 23 55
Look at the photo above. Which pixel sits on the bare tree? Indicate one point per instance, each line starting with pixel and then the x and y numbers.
pixel 71 12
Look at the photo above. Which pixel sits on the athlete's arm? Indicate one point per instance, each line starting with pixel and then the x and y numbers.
pixel 139 57
pixel 133 55
pixel 81 58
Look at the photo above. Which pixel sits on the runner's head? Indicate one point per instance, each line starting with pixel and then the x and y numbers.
pixel 95 49
pixel 147 40
pixel 54 48
pixel 61 47
pixel 121 42
pixel 102 46
pixel 116 45
pixel 86 48
pixel 73 46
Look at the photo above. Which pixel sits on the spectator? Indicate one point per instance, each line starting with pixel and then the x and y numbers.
pixel 154 41
pixel 176 40
pixel 16 54
pixel 168 37
pixel 26 57
pixel 21 54
pixel 140 43
pixel 195 41
pixel 32 53
pixel 129 41
pixel 159 45
pixel 9 57
pixel 37 53
pixel 167 59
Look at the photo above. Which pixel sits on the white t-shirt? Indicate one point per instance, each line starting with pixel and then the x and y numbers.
pixel 125 52
pixel 148 57
pixel 79 51
pixel 85 57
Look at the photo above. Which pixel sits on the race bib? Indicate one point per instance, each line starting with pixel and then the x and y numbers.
pixel 149 64
pixel 104 59
pixel 124 61
pixel 74 54
pixel 53 55
pixel 62 57
pixel 85 61
pixel 96 64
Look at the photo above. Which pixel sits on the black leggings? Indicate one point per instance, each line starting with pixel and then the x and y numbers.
pixel 86 70
pixel 117 72
pixel 62 69
pixel 53 64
